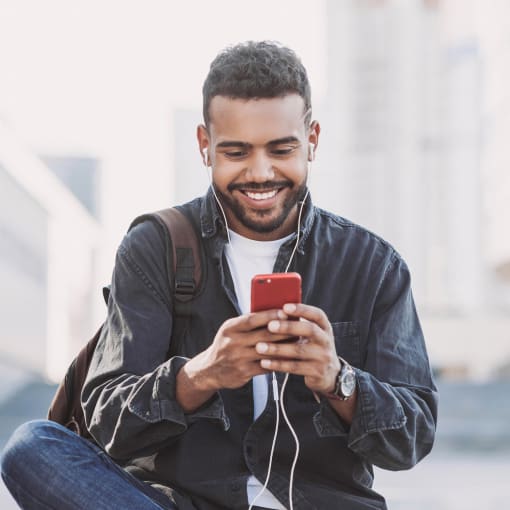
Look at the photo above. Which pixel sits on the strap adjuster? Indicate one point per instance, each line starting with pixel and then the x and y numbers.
pixel 185 287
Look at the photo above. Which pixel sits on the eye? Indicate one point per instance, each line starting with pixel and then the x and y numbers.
pixel 283 150
pixel 235 154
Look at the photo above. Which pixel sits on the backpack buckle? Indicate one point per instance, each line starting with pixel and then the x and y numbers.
pixel 185 287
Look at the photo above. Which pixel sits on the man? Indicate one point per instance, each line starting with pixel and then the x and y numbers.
pixel 194 429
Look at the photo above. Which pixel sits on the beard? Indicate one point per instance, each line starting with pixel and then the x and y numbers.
pixel 262 221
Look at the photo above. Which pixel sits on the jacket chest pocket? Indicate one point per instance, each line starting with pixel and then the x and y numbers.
pixel 347 341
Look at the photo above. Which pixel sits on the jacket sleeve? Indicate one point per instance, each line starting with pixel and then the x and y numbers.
pixel 129 395
pixel 396 416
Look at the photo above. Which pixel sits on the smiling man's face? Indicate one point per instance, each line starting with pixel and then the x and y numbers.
pixel 259 151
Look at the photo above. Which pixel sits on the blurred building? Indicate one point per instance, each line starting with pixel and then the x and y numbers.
pixel 491 29
pixel 80 175
pixel 407 89
pixel 48 246
pixel 383 134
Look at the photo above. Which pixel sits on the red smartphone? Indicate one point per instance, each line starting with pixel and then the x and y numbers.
pixel 273 290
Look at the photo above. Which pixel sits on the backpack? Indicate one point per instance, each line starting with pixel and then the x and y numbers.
pixel 184 263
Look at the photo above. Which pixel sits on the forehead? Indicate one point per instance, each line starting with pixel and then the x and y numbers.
pixel 256 120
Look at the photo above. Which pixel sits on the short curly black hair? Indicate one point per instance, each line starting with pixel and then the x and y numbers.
pixel 254 70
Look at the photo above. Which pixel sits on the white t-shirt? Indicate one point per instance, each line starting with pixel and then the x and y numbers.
pixel 246 258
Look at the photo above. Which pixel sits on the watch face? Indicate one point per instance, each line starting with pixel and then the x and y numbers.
pixel 348 383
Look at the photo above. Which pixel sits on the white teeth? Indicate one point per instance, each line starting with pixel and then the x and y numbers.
pixel 261 196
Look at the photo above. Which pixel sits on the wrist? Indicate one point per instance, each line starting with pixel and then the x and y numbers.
pixel 192 387
pixel 197 377
pixel 345 383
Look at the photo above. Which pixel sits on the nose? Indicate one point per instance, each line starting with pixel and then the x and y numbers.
pixel 260 167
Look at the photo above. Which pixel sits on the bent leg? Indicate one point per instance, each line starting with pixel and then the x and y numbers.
pixel 46 466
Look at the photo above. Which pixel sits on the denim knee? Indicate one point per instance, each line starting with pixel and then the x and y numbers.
pixel 25 447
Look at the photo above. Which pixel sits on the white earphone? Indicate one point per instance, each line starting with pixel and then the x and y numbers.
pixel 205 155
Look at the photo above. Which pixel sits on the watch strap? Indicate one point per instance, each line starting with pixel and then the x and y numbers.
pixel 337 392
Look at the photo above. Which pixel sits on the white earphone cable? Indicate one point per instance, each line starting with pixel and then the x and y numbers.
pixel 209 168
pixel 284 385
pixel 273 445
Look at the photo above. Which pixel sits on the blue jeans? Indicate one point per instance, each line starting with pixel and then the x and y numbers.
pixel 46 466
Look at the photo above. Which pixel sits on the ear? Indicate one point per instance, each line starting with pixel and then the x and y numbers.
pixel 313 139
pixel 203 144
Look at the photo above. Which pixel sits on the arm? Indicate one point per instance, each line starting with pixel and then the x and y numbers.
pixel 397 416
pixel 136 400
pixel 129 396
pixel 391 418
pixel 231 360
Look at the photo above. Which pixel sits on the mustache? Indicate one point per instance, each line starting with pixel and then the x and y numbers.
pixel 259 186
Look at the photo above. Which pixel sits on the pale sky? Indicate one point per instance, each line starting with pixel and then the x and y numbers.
pixel 102 77
pixel 70 70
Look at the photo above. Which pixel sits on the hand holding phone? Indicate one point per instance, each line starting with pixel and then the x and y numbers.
pixel 272 291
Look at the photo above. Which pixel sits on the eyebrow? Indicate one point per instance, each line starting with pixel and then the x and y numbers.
pixel 245 145
pixel 232 143
pixel 281 141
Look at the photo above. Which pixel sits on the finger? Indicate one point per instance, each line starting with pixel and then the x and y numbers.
pixel 256 320
pixel 245 361
pixel 301 350
pixel 292 366
pixel 233 339
pixel 252 338
pixel 264 335
pixel 241 373
pixel 308 312
pixel 255 368
pixel 302 329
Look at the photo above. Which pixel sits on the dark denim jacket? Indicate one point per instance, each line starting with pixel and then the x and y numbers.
pixel 361 283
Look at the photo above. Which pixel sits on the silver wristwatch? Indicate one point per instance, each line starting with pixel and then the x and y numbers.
pixel 345 382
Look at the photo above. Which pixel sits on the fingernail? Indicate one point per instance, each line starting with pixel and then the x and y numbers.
pixel 282 315
pixel 265 363
pixel 273 326
pixel 261 347
pixel 289 307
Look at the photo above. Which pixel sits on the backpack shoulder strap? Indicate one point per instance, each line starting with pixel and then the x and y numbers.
pixel 186 253
pixel 183 250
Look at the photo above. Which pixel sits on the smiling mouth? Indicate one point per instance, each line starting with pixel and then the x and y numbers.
pixel 261 195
